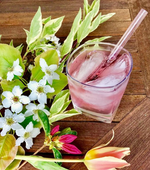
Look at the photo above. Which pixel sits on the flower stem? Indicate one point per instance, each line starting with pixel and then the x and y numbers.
pixel 33 154
pixel 36 158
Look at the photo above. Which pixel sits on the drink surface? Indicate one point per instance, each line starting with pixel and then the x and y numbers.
pixel 91 68
pixel 97 88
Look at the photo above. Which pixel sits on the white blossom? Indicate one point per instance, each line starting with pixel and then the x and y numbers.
pixel 49 71
pixel 15 99
pixel 32 109
pixel 39 91
pixel 16 69
pixel 26 135
pixel 10 121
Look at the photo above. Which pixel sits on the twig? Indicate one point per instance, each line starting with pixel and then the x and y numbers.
pixel 33 154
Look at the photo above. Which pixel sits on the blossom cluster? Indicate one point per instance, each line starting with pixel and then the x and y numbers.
pixel 14 102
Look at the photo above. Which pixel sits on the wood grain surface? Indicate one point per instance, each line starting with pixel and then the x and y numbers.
pixel 132 121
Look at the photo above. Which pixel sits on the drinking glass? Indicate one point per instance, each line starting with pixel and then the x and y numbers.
pixel 97 101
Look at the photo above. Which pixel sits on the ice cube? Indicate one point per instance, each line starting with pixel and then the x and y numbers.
pixel 112 74
pixel 92 60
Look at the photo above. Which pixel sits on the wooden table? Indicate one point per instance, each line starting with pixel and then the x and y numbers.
pixel 132 121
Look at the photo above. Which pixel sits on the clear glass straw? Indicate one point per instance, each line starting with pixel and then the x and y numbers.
pixel 127 35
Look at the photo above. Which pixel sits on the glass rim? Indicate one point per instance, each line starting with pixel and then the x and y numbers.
pixel 99 87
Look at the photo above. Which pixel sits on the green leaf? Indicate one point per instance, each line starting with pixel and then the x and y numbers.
pixel 51 27
pixel 57 155
pixel 60 94
pixel 9 85
pixel 0 37
pixel 42 165
pixel 8 55
pixel 44 122
pixel 11 43
pixel 98 39
pixel 96 22
pixel 85 8
pixel 85 25
pixel 15 164
pixel 94 8
pixel 8 150
pixel 63 115
pixel 20 48
pixel 58 104
pixel 50 56
pixel 58 85
pixel 45 20
pixel 35 28
pixel 106 17
pixel 30 119
pixel 67 45
pixel 67 131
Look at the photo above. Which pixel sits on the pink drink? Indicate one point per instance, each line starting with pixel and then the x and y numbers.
pixel 97 88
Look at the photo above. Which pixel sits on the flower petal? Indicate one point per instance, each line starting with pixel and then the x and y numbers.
pixel 52 67
pixel 54 130
pixel 48 89
pixel 19 141
pixel 20 132
pixel 6 128
pixel 7 94
pixel 16 126
pixel 24 99
pixel 70 149
pixel 29 127
pixel 19 118
pixel 105 163
pixel 32 85
pixel 16 107
pixel 10 75
pixel 31 106
pixel 67 138
pixel 6 103
pixel 35 132
pixel 8 113
pixel 17 91
pixel 42 98
pixel 33 96
pixel 117 152
pixel 56 76
pixel 43 64
pixel 16 63
pixel 29 142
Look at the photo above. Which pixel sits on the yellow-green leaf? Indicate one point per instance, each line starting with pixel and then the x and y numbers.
pixel 35 28
pixel 9 85
pixel 8 150
pixel 15 164
pixel 8 55
pixel 50 56
pixel 51 27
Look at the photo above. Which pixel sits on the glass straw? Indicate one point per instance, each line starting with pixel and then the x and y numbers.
pixel 126 36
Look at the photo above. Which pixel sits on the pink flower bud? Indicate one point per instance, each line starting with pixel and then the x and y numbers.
pixel 67 138
pixel 54 130
pixel 70 149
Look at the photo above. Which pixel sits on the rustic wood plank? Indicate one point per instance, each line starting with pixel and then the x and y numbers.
pixel 128 102
pixel 143 39
pixel 136 83
pixel 24 18
pixel 132 132
pixel 106 29
pixel 50 5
